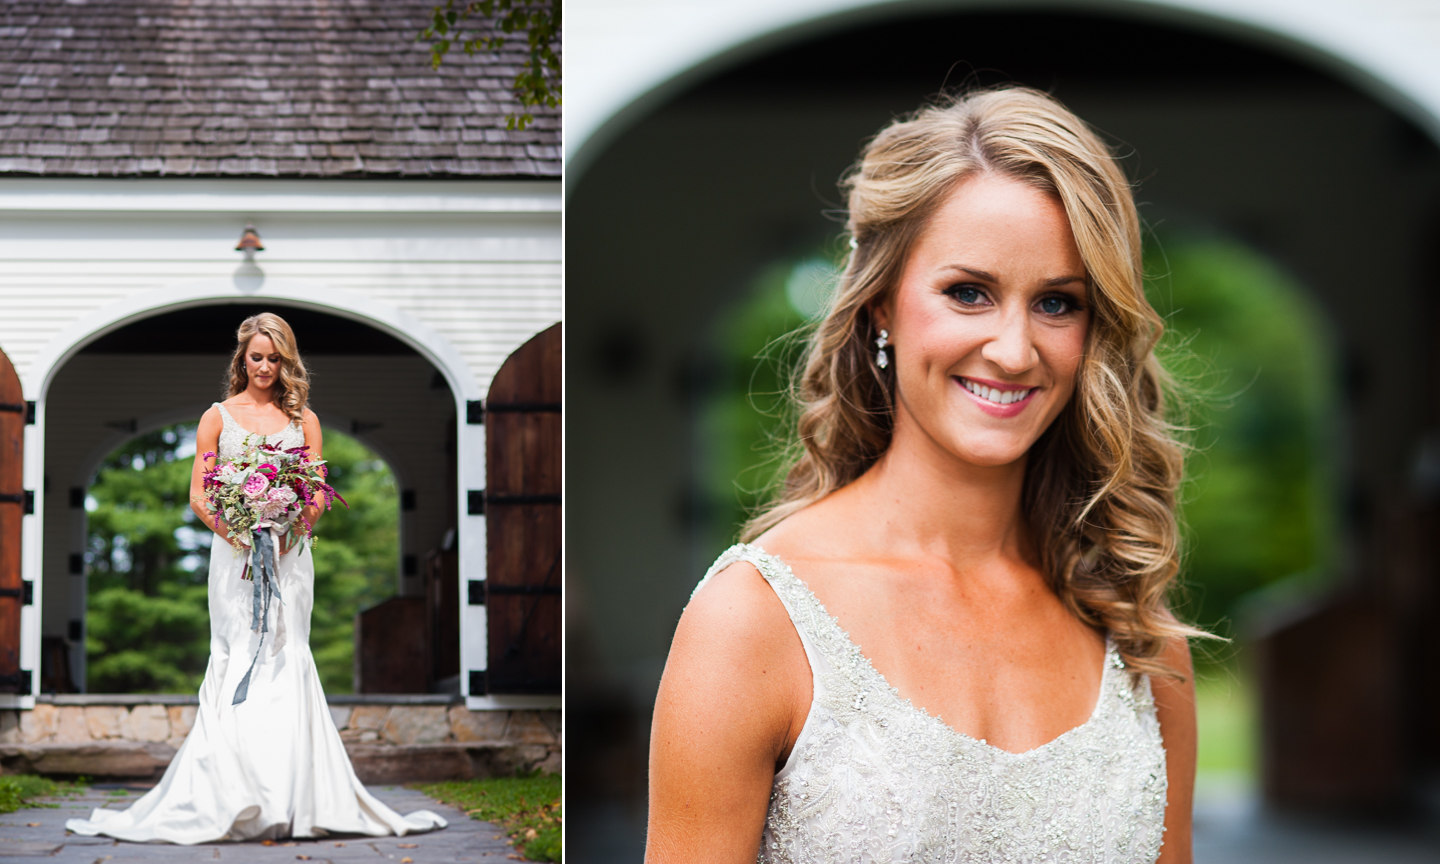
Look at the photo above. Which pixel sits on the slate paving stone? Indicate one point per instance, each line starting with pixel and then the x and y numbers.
pixel 40 833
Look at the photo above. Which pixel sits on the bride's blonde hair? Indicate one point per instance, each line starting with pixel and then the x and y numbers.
pixel 1100 484
pixel 293 381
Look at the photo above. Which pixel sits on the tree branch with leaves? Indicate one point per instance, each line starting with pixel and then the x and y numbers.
pixel 538 81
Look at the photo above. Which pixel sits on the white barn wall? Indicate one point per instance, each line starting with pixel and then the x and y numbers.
pixel 465 271
pixel 482 269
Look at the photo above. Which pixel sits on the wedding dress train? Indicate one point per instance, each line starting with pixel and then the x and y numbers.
pixel 272 766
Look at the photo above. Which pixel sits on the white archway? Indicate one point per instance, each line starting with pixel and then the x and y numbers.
pixel 619 72
pixel 432 346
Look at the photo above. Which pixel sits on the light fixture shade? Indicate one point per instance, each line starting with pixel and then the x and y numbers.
pixel 250 241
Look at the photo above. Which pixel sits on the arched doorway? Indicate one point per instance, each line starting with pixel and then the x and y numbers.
pixel 734 168
pixel 167 368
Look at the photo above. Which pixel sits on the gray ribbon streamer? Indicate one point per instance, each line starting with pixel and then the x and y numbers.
pixel 265 577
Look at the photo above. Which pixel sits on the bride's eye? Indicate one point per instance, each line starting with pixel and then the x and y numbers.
pixel 1056 305
pixel 966 295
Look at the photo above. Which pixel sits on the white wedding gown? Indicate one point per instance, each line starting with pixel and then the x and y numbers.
pixel 272 766
pixel 873 778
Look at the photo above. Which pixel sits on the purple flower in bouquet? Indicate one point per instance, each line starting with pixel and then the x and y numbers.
pixel 256 485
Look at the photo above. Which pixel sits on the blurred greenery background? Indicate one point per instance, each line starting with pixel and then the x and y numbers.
pixel 1256 367
pixel 148 624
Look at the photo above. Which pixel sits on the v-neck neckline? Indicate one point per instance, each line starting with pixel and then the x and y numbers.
pixel 867 668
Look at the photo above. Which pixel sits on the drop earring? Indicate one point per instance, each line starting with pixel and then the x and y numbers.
pixel 881 359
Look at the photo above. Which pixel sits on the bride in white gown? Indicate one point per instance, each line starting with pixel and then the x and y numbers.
pixel 272 765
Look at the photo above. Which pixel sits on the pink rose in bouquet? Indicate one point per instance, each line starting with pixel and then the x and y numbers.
pixel 277 502
pixel 256 485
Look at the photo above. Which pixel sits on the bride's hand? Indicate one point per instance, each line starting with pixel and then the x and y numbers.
pixel 225 534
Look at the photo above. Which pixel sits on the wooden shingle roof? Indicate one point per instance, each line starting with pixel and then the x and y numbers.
pixel 258 88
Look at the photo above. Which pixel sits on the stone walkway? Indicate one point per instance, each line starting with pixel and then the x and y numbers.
pixel 40 833
pixel 1231 827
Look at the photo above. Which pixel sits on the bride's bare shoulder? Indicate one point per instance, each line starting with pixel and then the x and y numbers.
pixel 735 638
pixel 210 422
pixel 734 606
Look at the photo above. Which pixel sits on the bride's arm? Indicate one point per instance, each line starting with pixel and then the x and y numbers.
pixel 733 697
pixel 311 424
pixel 1175 708
pixel 207 440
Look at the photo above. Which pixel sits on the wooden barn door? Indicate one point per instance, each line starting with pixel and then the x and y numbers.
pixel 13 506
pixel 522 521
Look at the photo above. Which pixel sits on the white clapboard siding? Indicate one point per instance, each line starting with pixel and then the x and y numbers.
pixel 484 272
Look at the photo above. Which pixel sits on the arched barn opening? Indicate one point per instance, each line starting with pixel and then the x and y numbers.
pixel 713 181
pixel 166 369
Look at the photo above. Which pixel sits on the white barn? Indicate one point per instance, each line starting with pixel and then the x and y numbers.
pixel 413 241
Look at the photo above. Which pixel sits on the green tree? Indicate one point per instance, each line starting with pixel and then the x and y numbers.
pixel 356 558
pixel 538 81
pixel 748 418
pixel 1258 503
pixel 148 622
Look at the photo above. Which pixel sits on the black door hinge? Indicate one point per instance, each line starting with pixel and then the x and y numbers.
pixel 19 681
pixel 26 498
pixel 26 593
pixel 26 408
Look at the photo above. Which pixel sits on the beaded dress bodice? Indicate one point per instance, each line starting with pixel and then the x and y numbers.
pixel 232 436
pixel 874 778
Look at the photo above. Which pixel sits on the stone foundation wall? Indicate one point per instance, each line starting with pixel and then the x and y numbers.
pixel 387 743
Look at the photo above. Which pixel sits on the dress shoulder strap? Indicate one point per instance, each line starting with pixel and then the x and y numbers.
pixel 225 417
pixel 826 645
pixel 775 571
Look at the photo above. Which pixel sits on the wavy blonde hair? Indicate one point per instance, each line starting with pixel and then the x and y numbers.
pixel 293 380
pixel 1100 484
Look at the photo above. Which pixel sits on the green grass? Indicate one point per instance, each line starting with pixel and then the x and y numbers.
pixel 1225 715
pixel 528 808
pixel 21 790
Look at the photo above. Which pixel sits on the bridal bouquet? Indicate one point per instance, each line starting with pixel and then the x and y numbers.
pixel 267 487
